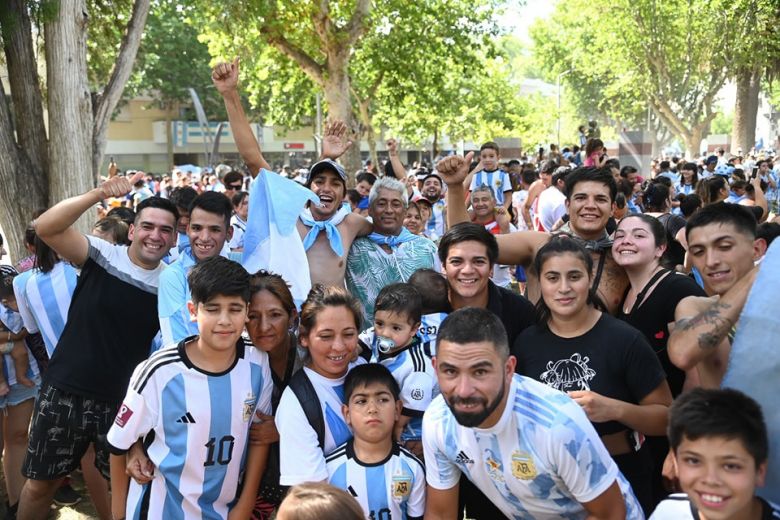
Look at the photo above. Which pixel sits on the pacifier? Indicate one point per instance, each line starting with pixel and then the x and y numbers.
pixel 385 345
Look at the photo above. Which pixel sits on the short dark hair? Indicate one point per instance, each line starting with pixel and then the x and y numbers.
pixel 238 198
pixel 218 276
pixel 400 298
pixel 665 165
pixel 7 283
pixel 365 176
pixel 183 197
pixel 464 232
pixel 724 412
pixel 723 213
pixel 768 231
pixel 490 145
pixel 512 162
pixel 528 175
pixel 232 177
pixel 123 213
pixel 157 203
pixel 214 202
pixel 370 374
pixel 474 325
pixel 612 163
pixel 354 196
pixel 433 288
pixel 626 170
pixel 601 175
pixel 689 204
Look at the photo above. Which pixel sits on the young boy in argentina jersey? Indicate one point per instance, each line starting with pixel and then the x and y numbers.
pixel 193 404
pixel 529 448
pixel 386 479
pixel 434 291
pixel 394 342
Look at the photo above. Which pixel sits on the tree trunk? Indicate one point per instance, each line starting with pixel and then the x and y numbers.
pixel 435 147
pixel 365 120
pixel 693 140
pixel 168 138
pixel 338 99
pixel 70 105
pixel 743 133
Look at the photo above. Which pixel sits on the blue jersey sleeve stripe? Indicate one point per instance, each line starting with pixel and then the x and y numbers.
pixel 219 430
pixel 172 465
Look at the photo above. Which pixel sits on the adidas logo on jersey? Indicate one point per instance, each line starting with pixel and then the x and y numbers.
pixel 462 458
pixel 187 418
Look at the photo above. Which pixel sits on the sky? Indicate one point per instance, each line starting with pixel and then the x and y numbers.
pixel 519 20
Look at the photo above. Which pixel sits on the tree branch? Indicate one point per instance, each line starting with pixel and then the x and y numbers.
pixel 106 101
pixel 310 66
pixel 357 23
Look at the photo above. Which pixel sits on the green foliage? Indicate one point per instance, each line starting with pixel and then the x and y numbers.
pixel 723 123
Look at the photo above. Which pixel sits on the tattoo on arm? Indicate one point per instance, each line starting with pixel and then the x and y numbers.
pixel 717 326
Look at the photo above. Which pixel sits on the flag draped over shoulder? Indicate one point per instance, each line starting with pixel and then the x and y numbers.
pixel 754 361
pixel 271 241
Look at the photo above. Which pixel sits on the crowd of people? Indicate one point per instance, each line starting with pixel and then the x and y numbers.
pixel 488 338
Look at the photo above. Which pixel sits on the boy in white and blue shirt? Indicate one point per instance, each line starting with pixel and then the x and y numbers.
pixel 385 478
pixel 193 404
pixel 492 176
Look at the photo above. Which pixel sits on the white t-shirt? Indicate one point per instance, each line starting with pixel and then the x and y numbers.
pixel 542 460
pixel 301 459
pixel 394 488
pixel 198 425
pixel 552 206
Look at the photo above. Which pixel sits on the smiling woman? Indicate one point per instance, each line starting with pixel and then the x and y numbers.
pixel 605 365
pixel 312 427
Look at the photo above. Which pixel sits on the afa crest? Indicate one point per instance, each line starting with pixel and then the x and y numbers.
pixel 402 486
pixel 523 467
pixel 417 394
pixel 249 406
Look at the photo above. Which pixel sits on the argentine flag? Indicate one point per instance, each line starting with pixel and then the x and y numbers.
pixel 271 241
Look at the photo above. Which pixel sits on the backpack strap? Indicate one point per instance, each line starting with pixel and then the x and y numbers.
pixel 310 403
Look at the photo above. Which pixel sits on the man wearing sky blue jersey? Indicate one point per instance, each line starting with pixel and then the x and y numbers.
pixel 529 448
pixel 193 405
pixel 386 479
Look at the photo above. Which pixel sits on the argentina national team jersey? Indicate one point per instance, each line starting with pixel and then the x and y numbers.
pixel 196 425
pixel 497 180
pixel 393 489
pixel 301 458
pixel 541 460
pixel 412 368
pixel 429 328
pixel 45 298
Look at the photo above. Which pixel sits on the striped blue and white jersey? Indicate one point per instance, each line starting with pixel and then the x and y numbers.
pixel 541 460
pixel 391 489
pixel 13 322
pixel 429 328
pixel 196 425
pixel 498 181
pixel 412 368
pixel 44 300
pixel 301 459
pixel 437 224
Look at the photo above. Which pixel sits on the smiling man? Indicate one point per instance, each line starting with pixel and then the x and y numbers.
pixel 530 449
pixel 208 229
pixel 590 200
pixel 110 328
pixel 723 247
pixel 391 253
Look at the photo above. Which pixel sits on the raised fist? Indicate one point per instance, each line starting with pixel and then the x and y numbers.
pixel 119 186
pixel 225 76
pixel 455 168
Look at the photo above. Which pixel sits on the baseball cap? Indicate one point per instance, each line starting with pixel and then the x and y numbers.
pixel 711 159
pixel 323 166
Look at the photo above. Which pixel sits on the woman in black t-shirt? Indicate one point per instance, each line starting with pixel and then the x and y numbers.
pixel 650 304
pixel 605 365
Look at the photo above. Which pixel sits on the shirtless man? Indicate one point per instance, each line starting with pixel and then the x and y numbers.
pixel 590 202
pixel 723 247
pixel 327 179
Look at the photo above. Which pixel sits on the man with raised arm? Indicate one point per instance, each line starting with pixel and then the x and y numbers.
pixel 590 200
pixel 111 324
pixel 327 229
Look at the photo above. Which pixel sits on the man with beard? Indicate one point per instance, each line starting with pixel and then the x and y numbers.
pixel 590 200
pixel 327 229
pixel 530 449
pixel 432 191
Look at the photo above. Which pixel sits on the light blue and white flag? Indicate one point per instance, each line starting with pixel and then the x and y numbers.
pixel 754 362
pixel 271 241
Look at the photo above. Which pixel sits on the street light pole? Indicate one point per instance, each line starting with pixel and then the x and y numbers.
pixel 560 76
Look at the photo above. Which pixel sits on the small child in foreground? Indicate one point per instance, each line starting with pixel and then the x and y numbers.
pixel 720 447
pixel 394 342
pixel 12 337
pixel 386 479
